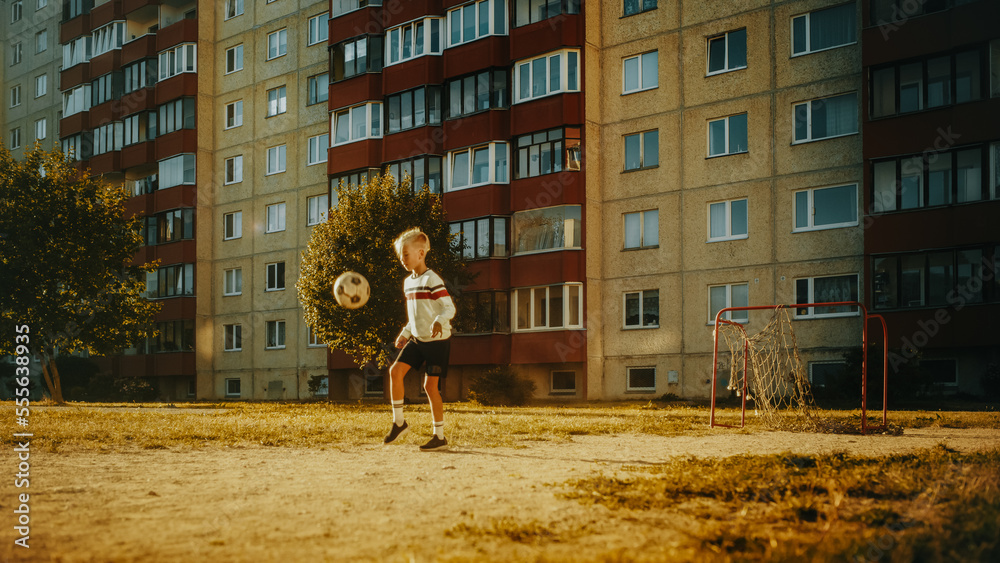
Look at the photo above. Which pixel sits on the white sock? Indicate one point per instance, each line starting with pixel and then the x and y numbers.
pixel 397 413
pixel 439 429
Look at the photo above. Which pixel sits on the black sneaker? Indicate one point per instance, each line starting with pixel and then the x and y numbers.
pixel 435 444
pixel 396 432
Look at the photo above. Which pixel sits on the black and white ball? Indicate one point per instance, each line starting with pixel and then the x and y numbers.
pixel 351 290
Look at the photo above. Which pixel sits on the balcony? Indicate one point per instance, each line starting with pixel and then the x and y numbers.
pixel 74 28
pixel 548 347
pixel 105 163
pixel 356 155
pixel 354 90
pixel 428 69
pixel 105 63
pixel 547 35
pixel 74 76
pixel 480 349
pixel 545 268
pixel 138 154
pixel 184 31
pixel 491 199
pixel 357 22
pixel 139 48
pixel 477 128
pixel 476 55
pixel 129 6
pixel 74 124
pixel 106 13
pixel 183 84
pixel 548 112
pixel 561 188
pixel 178 142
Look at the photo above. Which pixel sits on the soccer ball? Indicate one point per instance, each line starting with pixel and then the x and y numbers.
pixel 351 290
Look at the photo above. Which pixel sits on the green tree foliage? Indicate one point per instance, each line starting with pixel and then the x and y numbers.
pixel 66 247
pixel 358 236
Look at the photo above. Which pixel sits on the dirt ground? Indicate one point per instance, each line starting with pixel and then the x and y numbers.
pixel 370 503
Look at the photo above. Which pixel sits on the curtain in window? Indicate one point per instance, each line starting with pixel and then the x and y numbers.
pixel 832 27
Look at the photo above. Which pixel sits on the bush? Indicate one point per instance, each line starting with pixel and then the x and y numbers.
pixel 501 387
pixel 104 388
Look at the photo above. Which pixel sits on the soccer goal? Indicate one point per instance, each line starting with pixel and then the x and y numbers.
pixel 766 369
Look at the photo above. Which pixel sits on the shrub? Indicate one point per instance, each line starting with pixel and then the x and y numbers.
pixel 502 387
pixel 135 390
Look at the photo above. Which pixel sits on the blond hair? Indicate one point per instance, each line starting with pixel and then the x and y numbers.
pixel 413 236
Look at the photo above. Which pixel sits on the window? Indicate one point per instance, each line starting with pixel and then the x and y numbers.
pixel 177 170
pixel 826 208
pixel 477 166
pixel 15 96
pixel 562 383
pixel 232 225
pixel 77 147
pixel 234 8
pixel 108 137
pixel 172 336
pixel 941 372
pixel 995 68
pixel 234 169
pixel 633 7
pixel 551 228
pixel 727 135
pixel 414 108
pixel 275 276
pixel 41 41
pixel 73 8
pixel 941 80
pixel 642 150
pixel 143 185
pixel 317 208
pixel 640 379
pixel 483 312
pixel 826 117
pixel 16 53
pixel 415 39
pixel 175 115
pixel 313 341
pixel 357 123
pixel 356 56
pixel 108 38
pixel 341 7
pixel 476 92
pixel 318 146
pixel 234 58
pixel 139 75
pixel 277 101
pixel 554 73
pixel 176 280
pixel 169 226
pixel 277 44
pixel 727 220
pixel 532 11
pixel 642 229
pixel 641 309
pixel 105 88
pixel 422 170
pixel 76 51
pixel 361 177
pixel 234 114
pixel 275 218
pixel 319 31
pixel 233 335
pixel 727 52
pixel 830 289
pixel 549 307
pixel 640 73
pixel 730 295
pixel 948 277
pixel 485 237
pixel 15 138
pixel 233 388
pixel 40 128
pixel 39 4
pixel 182 58
pixel 275 334
pixel 825 374
pixel 41 85
pixel 232 281
pixel 933 179
pixel 16 9
pixel 319 88
pixel 547 152
pixel 476 20
pixel 824 29
pixel 994 175
pixel 275 160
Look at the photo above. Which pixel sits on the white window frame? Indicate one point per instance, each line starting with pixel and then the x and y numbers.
pixel 742 317
pixel 166 174
pixel 17 53
pixel 552 386
pixel 515 295
pixel 811 209
pixel 373 123
pixel 16 11
pixel 322 94
pixel 808 40
pixel 457 14
pixel 318 146
pixel 77 51
pixel 639 77
pixel 279 336
pixel 232 282
pixel 317 208
pixel 15 96
pixel 235 53
pixel 319 30
pixel 498 155
pixel 15 138
pixel 728 220
pixel 810 312
pixel 642 218
pixel 398 34
pixel 232 225
pixel 812 383
pixel 229 387
pixel 41 85
pixel 642 150
pixel 277 101
pixel 39 4
pixel 571 234
pixel 234 114
pixel 183 58
pixel 642 300
pixel 628 380
pixel 725 67
pixel 41 126
pixel 233 8
pixel 275 218
pixel 107 38
pixel 232 338
pixel 807 105
pixel 41 41
pixel 267 280
pixel 108 138
pixel 278 39
pixel 564 67
pixel 235 163
pixel 994 175
pixel 725 140
pixel 279 155
pixel 313 341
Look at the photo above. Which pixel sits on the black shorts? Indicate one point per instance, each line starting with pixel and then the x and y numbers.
pixel 434 353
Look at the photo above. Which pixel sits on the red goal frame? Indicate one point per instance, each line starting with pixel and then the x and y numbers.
pixel 864 359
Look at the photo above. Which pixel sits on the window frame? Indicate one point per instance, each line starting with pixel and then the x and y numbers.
pixel 576 235
pixel 237 171
pixel 429 93
pixel 233 8
pixel 279 335
pixel 810 312
pixel 629 388
pixel 280 160
pixel 810 205
pixel 725 67
pixel 277 101
pixel 642 150
pixel 322 30
pixel 566 8
pixel 237 59
pixel 493 165
pixel 808 30
pixel 373 120
pixel 237 115
pixel 274 218
pixel 727 139
pixel 564 75
pixel 39 92
pixel 278 35
pixel 315 214
pixel 641 215
pixel 184 57
pixel 642 312
pixel 395 46
pixel 458 230
pixel 564 159
pixel 639 74
pixel 562 391
pixel 316 144
pixel 373 58
pixel 315 94
pixel 728 219
pixel 809 116
pixel 641 8
pixel 232 221
pixel 232 338
pixel 458 13
pixel 232 282
pixel 567 314
pixel 745 318
pixel 230 393
pixel 275 275
pixel 498 93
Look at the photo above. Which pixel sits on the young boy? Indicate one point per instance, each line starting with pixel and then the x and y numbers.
pixel 424 339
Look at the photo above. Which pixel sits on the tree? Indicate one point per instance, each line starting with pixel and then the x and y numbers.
pixel 66 247
pixel 358 236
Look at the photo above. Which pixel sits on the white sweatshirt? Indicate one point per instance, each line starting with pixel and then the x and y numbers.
pixel 427 302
